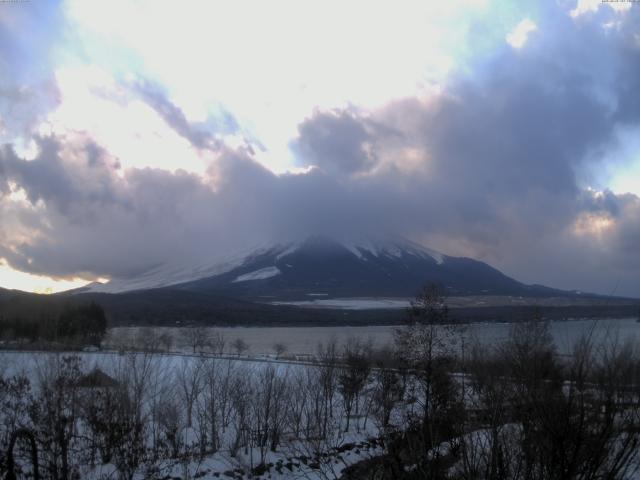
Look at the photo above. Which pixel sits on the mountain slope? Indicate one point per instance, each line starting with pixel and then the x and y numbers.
pixel 170 274
pixel 323 267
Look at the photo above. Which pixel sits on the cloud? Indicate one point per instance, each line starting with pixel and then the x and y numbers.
pixel 337 141
pixel 518 37
pixel 492 166
pixel 200 136
pixel 28 34
pixel 95 219
pixel 503 150
pixel 67 174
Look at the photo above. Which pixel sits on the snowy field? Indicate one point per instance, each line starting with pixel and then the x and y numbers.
pixel 351 303
pixel 321 300
pixel 305 340
pixel 191 416
pixel 222 398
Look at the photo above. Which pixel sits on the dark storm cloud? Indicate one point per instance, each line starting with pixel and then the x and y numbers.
pixel 97 218
pixel 68 185
pixel 504 147
pixel 604 202
pixel 103 221
pixel 336 141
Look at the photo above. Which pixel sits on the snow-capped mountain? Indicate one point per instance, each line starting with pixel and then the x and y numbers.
pixel 322 267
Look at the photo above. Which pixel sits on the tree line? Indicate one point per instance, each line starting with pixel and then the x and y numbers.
pixel 81 324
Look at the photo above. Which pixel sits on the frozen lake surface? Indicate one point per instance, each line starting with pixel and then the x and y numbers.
pixel 305 340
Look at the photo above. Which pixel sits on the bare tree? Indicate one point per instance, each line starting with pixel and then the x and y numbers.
pixel 427 348
pixel 189 375
pixel 130 413
pixel 215 402
pixel 388 389
pixel 216 342
pixel 353 376
pixel 279 349
pixel 538 416
pixel 196 338
pixel 240 346
pixel 147 339
pixel 171 423
pixel 328 372
pixel 315 416
pixel 54 414
pixel 492 452
pixel 15 398
pixel 269 408
pixel 165 340
pixel 241 392
pixel 297 401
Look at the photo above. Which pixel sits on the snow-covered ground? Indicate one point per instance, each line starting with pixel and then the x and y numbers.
pixel 258 392
pixel 168 378
pixel 351 303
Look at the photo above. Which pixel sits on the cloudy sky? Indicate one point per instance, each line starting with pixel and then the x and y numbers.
pixel 137 133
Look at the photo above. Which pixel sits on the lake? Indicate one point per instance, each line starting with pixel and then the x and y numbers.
pixel 304 340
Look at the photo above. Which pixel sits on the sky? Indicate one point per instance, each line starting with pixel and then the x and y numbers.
pixel 139 133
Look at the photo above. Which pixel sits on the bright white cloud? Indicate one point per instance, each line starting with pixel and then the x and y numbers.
pixel 585 6
pixel 620 170
pixel 131 130
pixel 627 179
pixel 518 37
pixel 272 64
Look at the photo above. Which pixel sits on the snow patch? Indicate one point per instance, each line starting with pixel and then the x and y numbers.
pixel 261 274
pixel 422 251
pixel 393 249
pixel 352 303
pixel 353 249
pixel 289 250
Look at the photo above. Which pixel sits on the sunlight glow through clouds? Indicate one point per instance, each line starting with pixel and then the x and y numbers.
pixel 129 129
pixel 627 181
pixel 10 278
pixel 621 171
pixel 592 224
pixel 266 61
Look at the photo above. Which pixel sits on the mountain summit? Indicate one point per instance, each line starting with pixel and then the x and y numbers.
pixel 323 267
